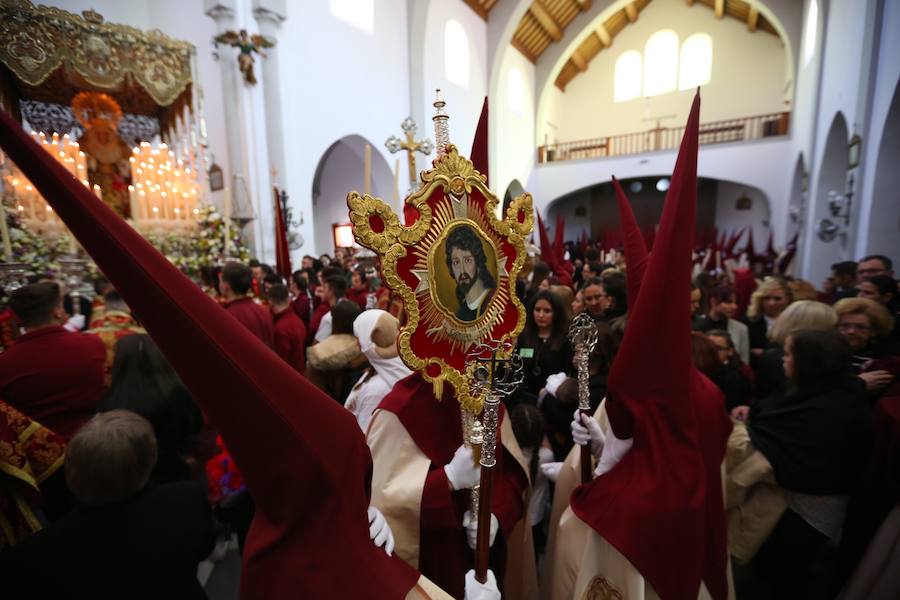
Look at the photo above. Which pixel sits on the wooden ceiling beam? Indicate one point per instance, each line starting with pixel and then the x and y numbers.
pixel 546 20
pixel 478 8
pixel 525 52
pixel 578 61
pixel 604 36
pixel 753 18
pixel 720 9
pixel 631 12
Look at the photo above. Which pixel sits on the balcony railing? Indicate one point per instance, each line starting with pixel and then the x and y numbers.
pixel 667 138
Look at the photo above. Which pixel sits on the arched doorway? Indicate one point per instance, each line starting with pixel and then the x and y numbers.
pixel 798 204
pixel 832 179
pixel 726 206
pixel 514 190
pixel 341 171
pixel 884 224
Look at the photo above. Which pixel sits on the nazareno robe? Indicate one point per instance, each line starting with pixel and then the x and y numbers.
pixel 412 436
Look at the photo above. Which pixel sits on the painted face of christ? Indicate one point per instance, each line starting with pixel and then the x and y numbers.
pixel 467 263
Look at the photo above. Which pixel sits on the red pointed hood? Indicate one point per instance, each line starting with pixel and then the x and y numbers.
pixel 303 456
pixel 479 155
pixel 750 249
pixel 547 254
pixel 662 505
pixel 636 255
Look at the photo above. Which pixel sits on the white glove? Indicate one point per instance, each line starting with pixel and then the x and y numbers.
pixel 74 323
pixel 481 591
pixel 380 531
pixel 551 470
pixel 586 429
pixel 554 381
pixel 613 451
pixel 462 472
pixel 470 522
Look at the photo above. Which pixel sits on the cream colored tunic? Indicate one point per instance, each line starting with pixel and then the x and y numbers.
pixel 398 478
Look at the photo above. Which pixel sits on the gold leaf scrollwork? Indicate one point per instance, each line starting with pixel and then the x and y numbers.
pixel 601 589
pixel 464 198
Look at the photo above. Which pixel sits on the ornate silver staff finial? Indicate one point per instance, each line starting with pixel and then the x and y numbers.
pixel 441 130
pixel 583 335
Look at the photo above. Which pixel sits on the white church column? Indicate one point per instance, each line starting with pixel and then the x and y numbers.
pixel 269 15
pixel 247 183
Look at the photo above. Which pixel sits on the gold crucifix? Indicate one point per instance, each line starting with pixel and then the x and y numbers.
pixel 395 144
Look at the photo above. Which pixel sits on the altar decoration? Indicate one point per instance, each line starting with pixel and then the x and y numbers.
pixel 49 55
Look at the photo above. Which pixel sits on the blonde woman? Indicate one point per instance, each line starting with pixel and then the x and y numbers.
pixel 766 304
pixel 866 325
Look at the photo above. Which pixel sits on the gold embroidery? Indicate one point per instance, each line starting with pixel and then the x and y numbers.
pixel 601 589
pixel 453 195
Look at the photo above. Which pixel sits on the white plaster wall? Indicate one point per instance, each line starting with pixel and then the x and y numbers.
pixel 463 103
pixel 344 169
pixel 879 223
pixel 848 34
pixel 338 81
pixel 749 77
pixel 728 218
pixel 515 132
pixel 766 164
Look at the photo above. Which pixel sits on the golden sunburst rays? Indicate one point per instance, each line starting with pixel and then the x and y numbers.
pixel 449 211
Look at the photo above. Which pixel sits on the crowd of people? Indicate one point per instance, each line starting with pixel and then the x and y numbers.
pixel 801 370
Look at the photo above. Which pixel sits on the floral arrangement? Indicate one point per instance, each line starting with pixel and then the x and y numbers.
pixel 190 249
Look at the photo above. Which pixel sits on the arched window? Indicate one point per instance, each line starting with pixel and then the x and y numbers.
pixel 456 54
pixel 696 61
pixel 515 92
pixel 628 76
pixel 358 13
pixel 661 63
pixel 809 35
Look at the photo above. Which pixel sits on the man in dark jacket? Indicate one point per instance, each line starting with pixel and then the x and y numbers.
pixel 234 283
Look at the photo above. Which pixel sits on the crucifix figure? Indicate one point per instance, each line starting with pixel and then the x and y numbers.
pixel 411 145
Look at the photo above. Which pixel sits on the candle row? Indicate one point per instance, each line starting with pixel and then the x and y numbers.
pixel 163 187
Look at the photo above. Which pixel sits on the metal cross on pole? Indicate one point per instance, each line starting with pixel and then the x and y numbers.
pixel 411 145
pixel 495 372
pixel 583 336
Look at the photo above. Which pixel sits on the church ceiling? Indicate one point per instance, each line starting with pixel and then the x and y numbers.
pixel 546 21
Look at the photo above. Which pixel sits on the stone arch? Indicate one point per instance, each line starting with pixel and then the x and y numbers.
pixel 831 177
pixel 340 171
pixel 883 235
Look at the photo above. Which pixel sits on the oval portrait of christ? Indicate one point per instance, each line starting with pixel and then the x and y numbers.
pixel 464 272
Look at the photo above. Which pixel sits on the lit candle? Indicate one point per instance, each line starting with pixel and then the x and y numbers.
pixel 97 191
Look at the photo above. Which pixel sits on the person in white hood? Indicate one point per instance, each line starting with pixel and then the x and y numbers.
pixel 377 331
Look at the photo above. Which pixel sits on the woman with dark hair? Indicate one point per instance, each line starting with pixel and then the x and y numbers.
pixel 714 361
pixel 144 382
pixel 539 274
pixel 815 437
pixel 529 428
pixel 543 343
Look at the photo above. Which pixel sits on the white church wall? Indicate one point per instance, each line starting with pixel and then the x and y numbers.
pixel 749 77
pixel 463 101
pixel 513 108
pixel 843 94
pixel 338 80
pixel 340 171
pixel 729 218
pixel 879 208
pixel 767 165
